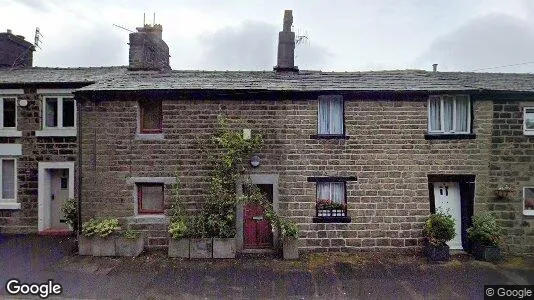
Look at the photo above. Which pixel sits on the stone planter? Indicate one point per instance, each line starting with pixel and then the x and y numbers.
pixel 85 245
pixel 224 247
pixel 179 248
pixel 290 248
pixel 436 253
pixel 486 253
pixel 103 246
pixel 129 247
pixel 201 248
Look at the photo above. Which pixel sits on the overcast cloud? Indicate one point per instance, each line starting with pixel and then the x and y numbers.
pixel 343 35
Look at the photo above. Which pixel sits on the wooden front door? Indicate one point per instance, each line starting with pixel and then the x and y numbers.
pixel 257 231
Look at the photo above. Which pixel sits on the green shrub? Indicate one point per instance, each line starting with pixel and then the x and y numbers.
pixel 177 229
pixel 101 228
pixel 131 234
pixel 439 228
pixel 485 230
pixel 70 213
pixel 289 229
pixel 196 227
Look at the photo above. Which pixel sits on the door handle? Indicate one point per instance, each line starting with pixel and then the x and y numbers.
pixel 53 197
pixel 258 218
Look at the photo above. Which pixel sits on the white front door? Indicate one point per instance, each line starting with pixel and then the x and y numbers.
pixel 447 200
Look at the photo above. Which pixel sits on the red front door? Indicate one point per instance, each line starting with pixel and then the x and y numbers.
pixel 257 233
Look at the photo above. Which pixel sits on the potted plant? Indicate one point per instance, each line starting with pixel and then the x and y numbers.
pixel 97 239
pixel 130 243
pixel 485 237
pixel 437 231
pixel 179 243
pixel 290 246
pixel 70 214
pixel 504 192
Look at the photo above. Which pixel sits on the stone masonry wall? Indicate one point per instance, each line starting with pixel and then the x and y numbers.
pixel 34 150
pixel 512 163
pixel 386 150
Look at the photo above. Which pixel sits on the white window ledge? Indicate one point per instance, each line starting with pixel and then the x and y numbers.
pixel 164 180
pixel 10 133
pixel 528 212
pixel 148 219
pixel 528 132
pixel 56 132
pixel 10 149
pixel 149 136
pixel 9 205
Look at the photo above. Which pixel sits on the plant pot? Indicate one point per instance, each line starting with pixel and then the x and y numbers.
pixel 129 247
pixel 486 253
pixel 290 248
pixel 179 248
pixel 103 246
pixel 85 245
pixel 436 252
pixel 201 248
pixel 224 247
pixel 504 194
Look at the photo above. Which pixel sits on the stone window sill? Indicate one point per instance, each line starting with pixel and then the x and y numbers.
pixel 329 136
pixel 450 136
pixel 148 219
pixel 149 136
pixel 56 132
pixel 331 219
pixel 9 205
pixel 10 133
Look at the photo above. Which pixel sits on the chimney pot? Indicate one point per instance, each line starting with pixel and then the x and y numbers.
pixel 435 67
pixel 9 31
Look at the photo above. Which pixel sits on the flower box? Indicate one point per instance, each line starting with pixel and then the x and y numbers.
pixel 103 246
pixel 224 247
pixel 486 253
pixel 179 248
pixel 110 246
pixel 436 253
pixel 201 248
pixel 129 247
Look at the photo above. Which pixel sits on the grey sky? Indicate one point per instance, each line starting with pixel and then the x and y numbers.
pixel 344 35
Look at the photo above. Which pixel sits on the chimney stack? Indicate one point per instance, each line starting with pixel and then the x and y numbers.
pixel 15 51
pixel 435 67
pixel 148 51
pixel 286 46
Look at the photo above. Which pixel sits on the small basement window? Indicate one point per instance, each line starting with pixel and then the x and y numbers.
pixel 59 112
pixel 150 117
pixel 528 201
pixel 8 113
pixel 528 121
pixel 150 198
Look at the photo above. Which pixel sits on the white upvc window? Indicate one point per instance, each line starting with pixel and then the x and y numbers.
pixel 8 183
pixel 528 201
pixel 528 121
pixel 59 112
pixel 449 114
pixel 330 115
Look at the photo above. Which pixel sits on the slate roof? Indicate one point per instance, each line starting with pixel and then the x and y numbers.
pixel 120 79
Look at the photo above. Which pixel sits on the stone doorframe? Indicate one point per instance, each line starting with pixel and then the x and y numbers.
pixel 43 189
pixel 256 179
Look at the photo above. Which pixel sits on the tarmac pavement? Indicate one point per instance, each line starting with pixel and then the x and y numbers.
pixel 36 259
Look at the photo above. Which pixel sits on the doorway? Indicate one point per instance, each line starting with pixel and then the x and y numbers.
pixel 257 230
pixel 454 195
pixel 56 185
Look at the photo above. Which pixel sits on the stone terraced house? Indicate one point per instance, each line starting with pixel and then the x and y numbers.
pixel 389 147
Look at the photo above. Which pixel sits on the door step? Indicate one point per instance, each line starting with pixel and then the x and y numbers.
pixel 257 253
pixel 55 232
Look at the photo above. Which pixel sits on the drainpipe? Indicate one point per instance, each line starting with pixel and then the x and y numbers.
pixel 79 177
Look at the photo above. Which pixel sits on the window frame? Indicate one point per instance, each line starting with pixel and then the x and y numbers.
pixel 2 99
pixel 140 210
pixel 442 115
pixel 143 131
pixel 15 182
pixel 330 98
pixel 525 130
pixel 60 99
pixel 527 212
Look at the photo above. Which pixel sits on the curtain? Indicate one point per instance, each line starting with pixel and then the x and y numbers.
pixel 448 110
pixel 323 191
pixel 338 192
pixel 435 114
pixel 336 116
pixel 324 108
pixel 8 179
pixel 462 106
